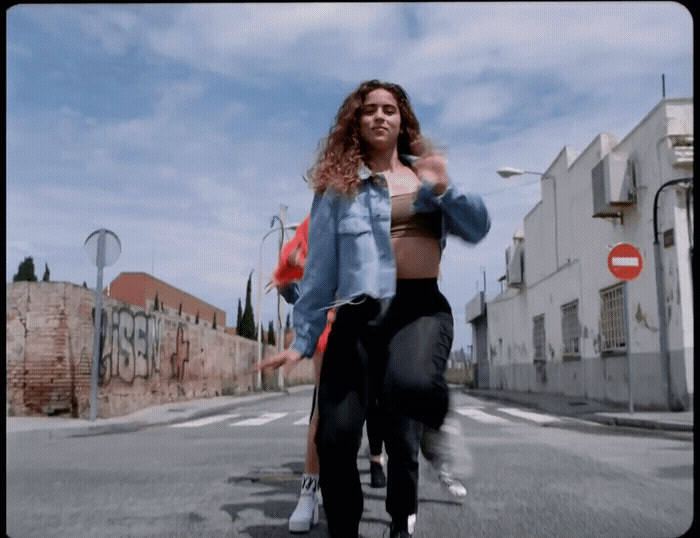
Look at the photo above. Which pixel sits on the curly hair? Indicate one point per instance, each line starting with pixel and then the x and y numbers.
pixel 343 150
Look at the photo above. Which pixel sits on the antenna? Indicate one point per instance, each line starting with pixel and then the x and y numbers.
pixel 663 86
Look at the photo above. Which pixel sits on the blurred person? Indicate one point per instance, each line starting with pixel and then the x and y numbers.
pixel 285 278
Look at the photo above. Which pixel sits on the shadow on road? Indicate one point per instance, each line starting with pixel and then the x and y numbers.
pixel 268 515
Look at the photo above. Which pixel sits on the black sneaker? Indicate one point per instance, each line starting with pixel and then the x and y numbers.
pixel 377 473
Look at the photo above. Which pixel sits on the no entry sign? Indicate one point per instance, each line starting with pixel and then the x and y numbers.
pixel 625 261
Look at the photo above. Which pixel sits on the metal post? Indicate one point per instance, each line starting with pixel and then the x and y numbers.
pixel 627 345
pixel 663 327
pixel 98 325
pixel 280 305
pixel 258 375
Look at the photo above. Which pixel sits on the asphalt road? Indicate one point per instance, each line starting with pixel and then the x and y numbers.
pixel 238 475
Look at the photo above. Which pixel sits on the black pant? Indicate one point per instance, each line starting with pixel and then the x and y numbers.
pixel 361 344
pixel 375 427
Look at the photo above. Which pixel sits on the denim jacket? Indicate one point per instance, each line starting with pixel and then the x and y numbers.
pixel 350 253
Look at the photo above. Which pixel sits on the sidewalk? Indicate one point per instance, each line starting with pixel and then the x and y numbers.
pixel 159 415
pixel 591 410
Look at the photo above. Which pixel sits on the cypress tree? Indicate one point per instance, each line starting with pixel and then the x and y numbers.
pixel 46 276
pixel 240 317
pixel 248 329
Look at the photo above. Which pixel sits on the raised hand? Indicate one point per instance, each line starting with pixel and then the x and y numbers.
pixel 286 358
pixel 431 164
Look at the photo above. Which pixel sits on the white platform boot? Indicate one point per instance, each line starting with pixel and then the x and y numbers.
pixel 305 515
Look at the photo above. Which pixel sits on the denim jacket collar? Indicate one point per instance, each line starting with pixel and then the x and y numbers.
pixel 364 173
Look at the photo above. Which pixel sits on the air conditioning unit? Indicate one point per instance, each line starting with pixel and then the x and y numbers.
pixel 613 185
pixel 682 151
pixel 515 265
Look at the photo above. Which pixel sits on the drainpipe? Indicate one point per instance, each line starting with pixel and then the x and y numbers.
pixel 673 403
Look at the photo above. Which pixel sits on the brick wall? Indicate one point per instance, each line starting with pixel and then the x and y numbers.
pixel 148 358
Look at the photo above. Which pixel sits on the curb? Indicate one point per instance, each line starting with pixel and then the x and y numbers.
pixel 592 416
pixel 640 423
pixel 126 425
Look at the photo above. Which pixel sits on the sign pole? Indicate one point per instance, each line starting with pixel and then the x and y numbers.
pixel 98 325
pixel 103 247
pixel 625 263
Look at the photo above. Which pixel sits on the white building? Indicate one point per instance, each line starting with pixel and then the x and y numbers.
pixel 565 324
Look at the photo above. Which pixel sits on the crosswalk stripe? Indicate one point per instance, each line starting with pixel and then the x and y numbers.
pixel 535 417
pixel 478 414
pixel 303 421
pixel 259 421
pixel 205 421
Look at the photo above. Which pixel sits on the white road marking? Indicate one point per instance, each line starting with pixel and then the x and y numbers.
pixel 478 414
pixel 303 421
pixel 205 421
pixel 259 421
pixel 535 417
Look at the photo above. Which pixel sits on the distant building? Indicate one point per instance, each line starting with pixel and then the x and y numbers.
pixel 564 323
pixel 140 289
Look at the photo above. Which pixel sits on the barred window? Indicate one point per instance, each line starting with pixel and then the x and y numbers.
pixel 538 339
pixel 612 318
pixel 571 329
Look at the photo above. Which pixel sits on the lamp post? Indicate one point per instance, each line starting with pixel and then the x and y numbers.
pixel 508 171
pixel 671 400
pixel 282 228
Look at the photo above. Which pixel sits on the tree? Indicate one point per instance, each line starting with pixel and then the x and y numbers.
pixel 271 334
pixel 155 302
pixel 213 325
pixel 45 278
pixel 248 329
pixel 84 284
pixel 25 271
pixel 240 317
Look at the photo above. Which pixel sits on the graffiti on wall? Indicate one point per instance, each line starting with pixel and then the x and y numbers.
pixel 130 344
pixel 181 355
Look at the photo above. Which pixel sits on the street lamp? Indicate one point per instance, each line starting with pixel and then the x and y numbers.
pixel 508 171
pixel 282 229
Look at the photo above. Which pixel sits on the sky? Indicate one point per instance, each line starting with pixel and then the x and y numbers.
pixel 183 128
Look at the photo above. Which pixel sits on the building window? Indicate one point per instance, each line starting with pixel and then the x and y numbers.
pixel 538 339
pixel 571 330
pixel 612 319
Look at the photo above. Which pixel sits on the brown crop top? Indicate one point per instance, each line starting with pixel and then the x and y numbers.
pixel 406 222
pixel 415 238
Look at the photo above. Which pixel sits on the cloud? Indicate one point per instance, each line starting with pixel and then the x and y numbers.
pixel 232 39
pixel 183 127
pixel 475 105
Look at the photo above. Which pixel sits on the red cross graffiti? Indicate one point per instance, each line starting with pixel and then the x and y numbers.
pixel 181 355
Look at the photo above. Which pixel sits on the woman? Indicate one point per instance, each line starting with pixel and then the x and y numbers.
pixel 285 278
pixel 382 208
